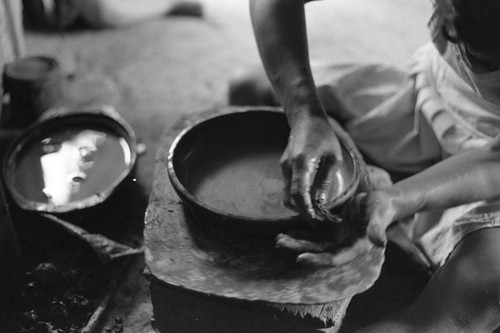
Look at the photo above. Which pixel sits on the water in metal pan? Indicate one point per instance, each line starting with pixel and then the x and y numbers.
pixel 70 165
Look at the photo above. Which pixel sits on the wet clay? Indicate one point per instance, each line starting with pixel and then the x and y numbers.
pixel 70 165
pixel 246 183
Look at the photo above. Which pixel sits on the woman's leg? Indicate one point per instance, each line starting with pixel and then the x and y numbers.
pixel 120 13
pixel 463 295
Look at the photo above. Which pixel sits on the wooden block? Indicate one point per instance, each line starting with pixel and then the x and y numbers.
pixel 179 311
pixel 180 306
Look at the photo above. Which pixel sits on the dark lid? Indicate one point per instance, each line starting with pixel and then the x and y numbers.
pixel 30 68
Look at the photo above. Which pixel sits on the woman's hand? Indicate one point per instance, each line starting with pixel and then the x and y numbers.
pixel 313 148
pixel 367 217
pixel 371 213
pixel 309 162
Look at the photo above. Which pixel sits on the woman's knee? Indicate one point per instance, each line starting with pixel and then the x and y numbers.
pixel 251 87
pixel 470 282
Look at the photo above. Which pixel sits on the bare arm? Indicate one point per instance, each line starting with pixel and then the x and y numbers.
pixel 280 32
pixel 465 178
pixel 469 177
pixel 313 148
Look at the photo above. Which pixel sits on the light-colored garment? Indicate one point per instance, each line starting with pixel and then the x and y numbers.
pixel 407 120
pixel 11 31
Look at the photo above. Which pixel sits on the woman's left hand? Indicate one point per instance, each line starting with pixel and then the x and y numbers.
pixel 367 216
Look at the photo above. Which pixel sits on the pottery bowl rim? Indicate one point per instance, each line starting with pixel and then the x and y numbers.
pixel 189 198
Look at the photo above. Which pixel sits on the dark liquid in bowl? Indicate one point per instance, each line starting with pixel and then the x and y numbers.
pixel 246 183
pixel 70 165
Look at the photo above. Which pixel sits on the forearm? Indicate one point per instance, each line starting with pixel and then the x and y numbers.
pixel 469 177
pixel 280 32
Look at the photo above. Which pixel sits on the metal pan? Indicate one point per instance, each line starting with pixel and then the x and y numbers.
pixel 226 169
pixel 69 160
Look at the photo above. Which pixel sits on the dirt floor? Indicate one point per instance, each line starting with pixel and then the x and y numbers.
pixel 158 71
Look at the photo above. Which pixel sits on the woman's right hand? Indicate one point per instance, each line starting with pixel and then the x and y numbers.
pixel 308 163
pixel 313 149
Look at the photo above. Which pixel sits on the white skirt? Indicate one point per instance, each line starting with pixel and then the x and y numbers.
pixel 406 121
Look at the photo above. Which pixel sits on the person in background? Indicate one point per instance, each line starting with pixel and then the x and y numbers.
pixel 65 14
pixel 438 123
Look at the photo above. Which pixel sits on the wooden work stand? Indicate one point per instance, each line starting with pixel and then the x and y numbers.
pixel 173 245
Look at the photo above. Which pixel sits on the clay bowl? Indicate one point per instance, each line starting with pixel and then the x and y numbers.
pixel 226 170
pixel 69 160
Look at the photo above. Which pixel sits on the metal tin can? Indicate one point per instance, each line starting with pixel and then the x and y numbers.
pixel 32 85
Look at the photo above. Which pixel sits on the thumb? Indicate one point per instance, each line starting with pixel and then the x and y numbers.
pixel 376 233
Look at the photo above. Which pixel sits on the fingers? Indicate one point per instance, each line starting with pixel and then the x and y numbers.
pixel 368 216
pixel 324 215
pixel 324 178
pixel 312 151
pixel 359 248
pixel 287 175
pixel 307 184
pixel 302 173
pixel 376 234
pixel 303 245
pixel 380 212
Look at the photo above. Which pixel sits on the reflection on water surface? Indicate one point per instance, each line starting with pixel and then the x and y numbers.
pixel 70 165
